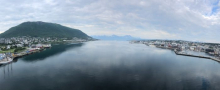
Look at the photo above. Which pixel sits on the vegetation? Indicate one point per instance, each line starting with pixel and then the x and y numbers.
pixel 12 49
pixel 19 49
pixel 43 29
pixel 8 50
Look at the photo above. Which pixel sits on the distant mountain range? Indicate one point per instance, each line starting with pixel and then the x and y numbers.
pixel 43 29
pixel 115 37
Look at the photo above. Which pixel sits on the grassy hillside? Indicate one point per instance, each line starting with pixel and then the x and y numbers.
pixel 43 29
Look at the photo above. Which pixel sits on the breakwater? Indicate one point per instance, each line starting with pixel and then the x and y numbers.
pixel 190 55
pixel 19 55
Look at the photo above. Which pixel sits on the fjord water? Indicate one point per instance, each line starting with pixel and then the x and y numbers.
pixel 109 65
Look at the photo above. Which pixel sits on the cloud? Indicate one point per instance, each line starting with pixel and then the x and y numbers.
pixel 164 19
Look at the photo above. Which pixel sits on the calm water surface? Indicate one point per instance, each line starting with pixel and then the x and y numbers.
pixel 109 65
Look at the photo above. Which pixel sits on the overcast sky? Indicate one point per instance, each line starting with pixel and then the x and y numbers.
pixel 195 20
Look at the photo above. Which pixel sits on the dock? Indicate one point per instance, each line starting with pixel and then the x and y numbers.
pixel 19 55
pixel 206 57
pixel 6 60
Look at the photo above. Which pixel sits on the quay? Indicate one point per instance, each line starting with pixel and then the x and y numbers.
pixel 7 59
pixel 190 55
pixel 206 57
pixel 181 45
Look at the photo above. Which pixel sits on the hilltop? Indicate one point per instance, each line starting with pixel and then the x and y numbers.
pixel 43 29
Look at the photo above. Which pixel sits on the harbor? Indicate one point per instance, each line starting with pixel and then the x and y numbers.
pixel 185 54
pixel 198 56
pixel 9 57
pixel 186 48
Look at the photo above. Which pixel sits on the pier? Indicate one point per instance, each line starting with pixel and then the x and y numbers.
pixel 190 55
pixel 7 70
pixel 7 60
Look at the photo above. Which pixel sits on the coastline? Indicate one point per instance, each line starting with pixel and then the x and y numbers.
pixel 34 50
pixel 8 60
pixel 185 54
pixel 191 55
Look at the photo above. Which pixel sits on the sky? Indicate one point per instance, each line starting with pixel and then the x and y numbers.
pixel 194 20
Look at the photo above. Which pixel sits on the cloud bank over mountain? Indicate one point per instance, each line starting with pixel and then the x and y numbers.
pixel 195 20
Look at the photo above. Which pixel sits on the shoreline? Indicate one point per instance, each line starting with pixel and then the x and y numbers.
pixel 190 55
pixel 19 55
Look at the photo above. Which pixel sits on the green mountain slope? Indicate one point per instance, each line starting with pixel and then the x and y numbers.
pixel 43 29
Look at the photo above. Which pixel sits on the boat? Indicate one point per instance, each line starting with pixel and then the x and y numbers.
pixel 6 60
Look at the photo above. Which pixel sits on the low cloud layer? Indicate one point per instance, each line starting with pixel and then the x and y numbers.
pixel 195 20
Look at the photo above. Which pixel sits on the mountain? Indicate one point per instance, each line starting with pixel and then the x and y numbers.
pixel 43 29
pixel 115 37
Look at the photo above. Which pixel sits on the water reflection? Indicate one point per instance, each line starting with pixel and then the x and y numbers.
pixel 108 65
pixel 56 49
pixel 7 70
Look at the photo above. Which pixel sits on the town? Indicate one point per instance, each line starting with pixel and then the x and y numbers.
pixel 11 48
pixel 186 48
